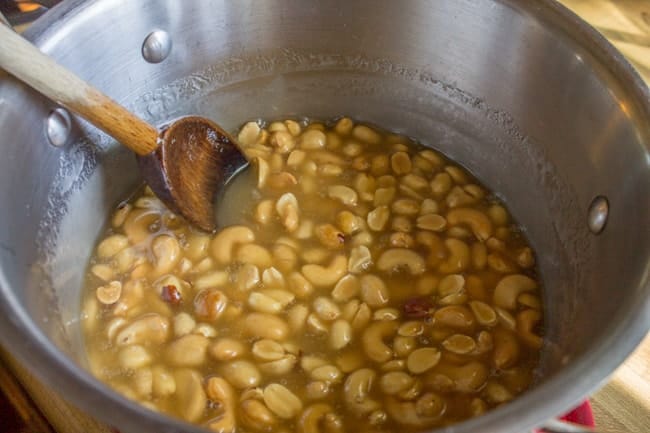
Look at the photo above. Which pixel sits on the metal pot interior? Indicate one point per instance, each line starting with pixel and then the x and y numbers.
pixel 526 97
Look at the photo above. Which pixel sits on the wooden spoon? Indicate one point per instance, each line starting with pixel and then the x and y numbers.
pixel 186 163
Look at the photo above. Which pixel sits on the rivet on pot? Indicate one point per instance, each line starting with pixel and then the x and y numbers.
pixel 157 46
pixel 598 214
pixel 58 126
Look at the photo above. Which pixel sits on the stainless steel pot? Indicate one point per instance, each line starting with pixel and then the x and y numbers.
pixel 523 93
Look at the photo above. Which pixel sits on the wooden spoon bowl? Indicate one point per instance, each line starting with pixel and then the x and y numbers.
pixel 193 161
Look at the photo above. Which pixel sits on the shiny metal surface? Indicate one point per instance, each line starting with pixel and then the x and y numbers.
pixel 156 46
pixel 523 93
pixel 598 214
pixel 4 20
pixel 58 127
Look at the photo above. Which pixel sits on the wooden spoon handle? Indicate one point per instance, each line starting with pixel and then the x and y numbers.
pixel 23 60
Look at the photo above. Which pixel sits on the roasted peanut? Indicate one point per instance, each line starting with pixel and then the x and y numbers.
pixel 111 246
pixel 433 222
pixel 373 290
pixel 380 165
pixel 247 277
pixel 326 309
pixel 210 304
pixel 467 378
pixel 415 182
pixel 366 134
pixel 365 186
pixel 344 194
pixel 405 206
pixel 248 134
pixel 506 349
pixel 119 216
pixel 423 359
pixel 497 393
pixel 149 328
pixel 395 382
pixel 221 393
pixel 270 300
pixel 455 316
pixel 282 401
pixel 210 279
pixel 134 357
pixel 344 126
pixel 401 223
pixel 340 334
pixel 460 344
pixel 406 413
pixel 299 285
pixel 330 236
pixel 190 396
pixel 297 316
pixel 485 315
pixel 498 215
pixel 226 349
pixel 401 240
pixel 255 415
pixel 502 264
pixel 312 139
pixel 348 222
pixel 378 218
pixel 283 141
pixel 317 390
pixel 352 149
pixel 262 325
pixel 441 184
pixel 241 373
pixel 187 351
pixel 109 293
pixel 346 288
pixel 288 210
pixel 384 196
pixel 458 197
pixel 400 162
pixel 357 313
pixel 326 373
pixel 403 346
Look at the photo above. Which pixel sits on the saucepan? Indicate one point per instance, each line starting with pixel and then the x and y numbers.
pixel 523 93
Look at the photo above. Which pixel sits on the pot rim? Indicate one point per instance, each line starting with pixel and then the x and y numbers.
pixel 585 374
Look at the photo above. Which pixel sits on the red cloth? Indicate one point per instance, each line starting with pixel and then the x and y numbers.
pixel 581 415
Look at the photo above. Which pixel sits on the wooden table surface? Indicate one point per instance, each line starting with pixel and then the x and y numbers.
pixel 623 404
